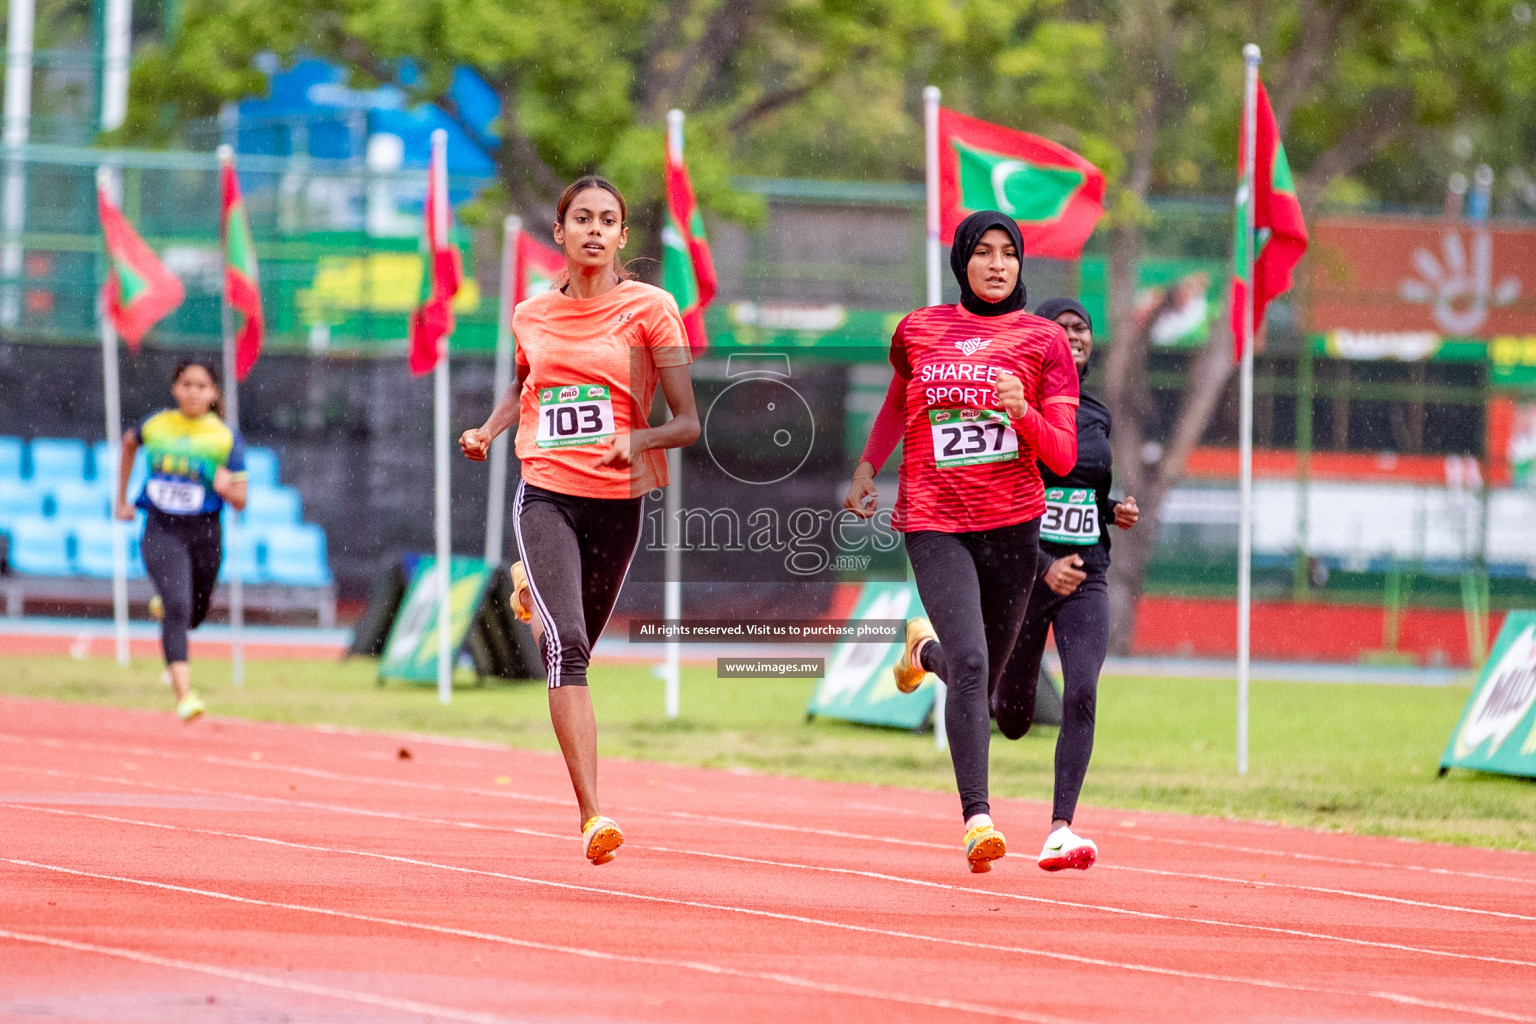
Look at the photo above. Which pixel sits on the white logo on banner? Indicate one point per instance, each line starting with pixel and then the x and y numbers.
pixel 1504 701
pixel 1459 286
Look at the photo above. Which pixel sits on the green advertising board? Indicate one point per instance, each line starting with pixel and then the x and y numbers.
pixel 1497 731
pixel 858 686
pixel 410 653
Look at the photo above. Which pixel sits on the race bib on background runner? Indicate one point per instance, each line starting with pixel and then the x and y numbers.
pixel 1071 517
pixel 178 496
pixel 972 437
pixel 574 414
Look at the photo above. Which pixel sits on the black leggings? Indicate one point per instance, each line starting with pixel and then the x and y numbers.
pixel 576 552
pixel 181 554
pixel 1081 620
pixel 971 588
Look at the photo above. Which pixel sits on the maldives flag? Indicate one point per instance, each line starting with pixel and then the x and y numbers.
pixel 1055 195
pixel 242 288
pixel 139 291
pixel 687 268
pixel 432 320
pixel 1279 235
pixel 535 267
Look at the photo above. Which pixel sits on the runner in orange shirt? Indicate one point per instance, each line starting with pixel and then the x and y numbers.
pixel 590 354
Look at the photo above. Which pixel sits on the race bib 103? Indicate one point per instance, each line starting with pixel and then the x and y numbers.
pixel 972 437
pixel 574 414
pixel 1071 517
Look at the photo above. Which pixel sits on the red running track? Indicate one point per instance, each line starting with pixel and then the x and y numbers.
pixel 237 871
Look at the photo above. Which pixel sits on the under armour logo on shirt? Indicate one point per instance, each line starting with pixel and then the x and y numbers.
pixel 970 346
pixel 623 318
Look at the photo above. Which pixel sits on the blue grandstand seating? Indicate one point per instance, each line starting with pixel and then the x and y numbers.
pixel 57 458
pixel 249 545
pixel 56 499
pixel 273 506
pixel 93 549
pixel 296 556
pixel 80 499
pixel 19 498
pixel 39 547
pixel 261 467
pixel 104 461
pixel 11 450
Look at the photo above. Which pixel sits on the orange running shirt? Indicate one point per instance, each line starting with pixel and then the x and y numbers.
pixel 592 370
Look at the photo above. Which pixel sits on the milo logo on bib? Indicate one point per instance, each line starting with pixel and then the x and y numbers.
pixel 575 414
pixel 1071 517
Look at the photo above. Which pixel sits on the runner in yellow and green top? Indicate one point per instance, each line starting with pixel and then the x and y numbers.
pixel 196 464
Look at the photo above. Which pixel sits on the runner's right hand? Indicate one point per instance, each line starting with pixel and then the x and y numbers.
pixel 475 443
pixel 863 499
pixel 1065 575
pixel 124 511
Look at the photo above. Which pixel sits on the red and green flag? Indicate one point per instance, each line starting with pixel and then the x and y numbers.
pixel 535 267
pixel 687 268
pixel 1279 235
pixel 432 320
pixel 1055 195
pixel 242 286
pixel 139 292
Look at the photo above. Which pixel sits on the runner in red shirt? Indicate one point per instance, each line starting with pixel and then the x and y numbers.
pixel 590 355
pixel 982 390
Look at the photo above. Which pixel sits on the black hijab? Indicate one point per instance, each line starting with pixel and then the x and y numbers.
pixel 967 237
pixel 1053 308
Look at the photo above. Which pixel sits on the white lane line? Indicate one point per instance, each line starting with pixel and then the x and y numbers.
pixel 1045 954
pixel 744 822
pixel 795 981
pixel 855 872
pixel 253 978
pixel 1321 857
pixel 1355 894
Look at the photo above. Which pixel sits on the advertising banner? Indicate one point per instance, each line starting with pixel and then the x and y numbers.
pixel 1497 731
pixel 858 686
pixel 411 651
pixel 1389 287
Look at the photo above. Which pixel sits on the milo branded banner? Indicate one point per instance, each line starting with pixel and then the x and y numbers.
pixel 411 651
pixel 1497 732
pixel 858 686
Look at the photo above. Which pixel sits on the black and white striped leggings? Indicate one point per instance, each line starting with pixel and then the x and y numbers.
pixel 576 552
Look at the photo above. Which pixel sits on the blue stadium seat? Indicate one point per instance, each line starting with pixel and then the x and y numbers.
pixel 19 498
pixel 80 499
pixel 296 556
pixel 93 549
pixel 57 458
pixel 273 506
pixel 39 547
pixel 249 543
pixel 261 467
pixel 104 459
pixel 11 449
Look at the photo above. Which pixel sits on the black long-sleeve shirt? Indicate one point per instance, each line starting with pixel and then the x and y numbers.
pixel 1095 461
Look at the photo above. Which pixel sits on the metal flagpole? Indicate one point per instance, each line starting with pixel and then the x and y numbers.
pixel 496 500
pixel 232 418
pixel 438 169
pixel 112 386
pixel 18 113
pixel 672 609
pixel 935 296
pixel 1246 195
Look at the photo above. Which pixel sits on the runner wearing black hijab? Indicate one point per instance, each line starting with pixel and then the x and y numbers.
pixel 1070 594
pixel 982 390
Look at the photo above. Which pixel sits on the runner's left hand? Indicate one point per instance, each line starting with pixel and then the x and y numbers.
pixel 624 449
pixel 1126 513
pixel 1010 394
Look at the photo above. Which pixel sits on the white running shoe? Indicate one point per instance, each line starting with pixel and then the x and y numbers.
pixel 1066 849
